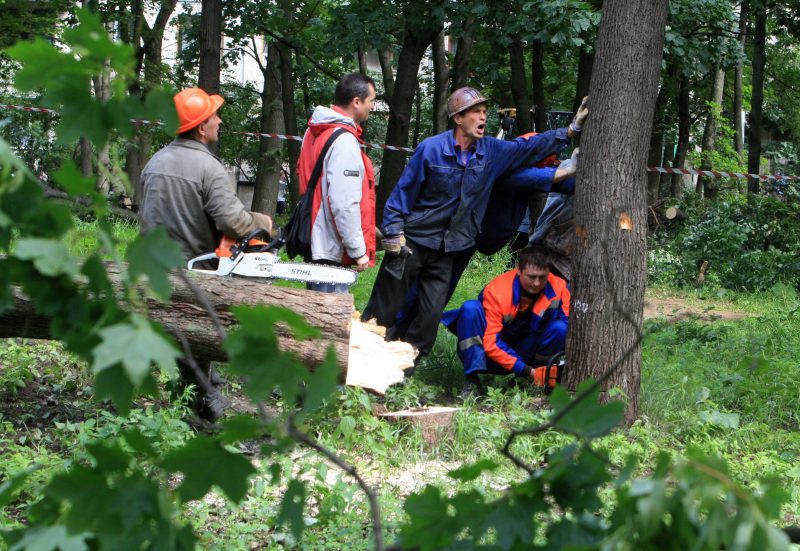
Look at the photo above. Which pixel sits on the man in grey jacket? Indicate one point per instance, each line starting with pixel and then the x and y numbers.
pixel 186 189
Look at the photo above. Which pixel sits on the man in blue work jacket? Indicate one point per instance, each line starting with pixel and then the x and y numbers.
pixel 435 211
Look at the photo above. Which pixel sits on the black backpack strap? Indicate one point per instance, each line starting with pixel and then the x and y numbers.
pixel 311 185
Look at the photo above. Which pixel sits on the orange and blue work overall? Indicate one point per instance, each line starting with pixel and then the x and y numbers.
pixel 495 336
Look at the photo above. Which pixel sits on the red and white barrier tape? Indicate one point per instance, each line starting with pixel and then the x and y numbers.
pixel 660 169
pixel 718 174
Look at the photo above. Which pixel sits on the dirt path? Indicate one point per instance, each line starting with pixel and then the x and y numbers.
pixel 675 308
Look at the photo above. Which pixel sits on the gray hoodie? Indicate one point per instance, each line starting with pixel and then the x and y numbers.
pixel 337 227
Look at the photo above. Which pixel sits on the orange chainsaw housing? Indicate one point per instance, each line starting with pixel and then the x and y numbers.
pixel 224 248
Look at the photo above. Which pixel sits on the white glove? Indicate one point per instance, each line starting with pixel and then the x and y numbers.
pixel 583 111
pixel 567 168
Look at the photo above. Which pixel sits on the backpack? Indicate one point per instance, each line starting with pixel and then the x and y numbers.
pixel 297 232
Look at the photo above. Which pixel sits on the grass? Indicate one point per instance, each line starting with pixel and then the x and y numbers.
pixel 728 387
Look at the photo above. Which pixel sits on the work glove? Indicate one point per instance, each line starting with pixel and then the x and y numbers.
pixel 568 168
pixel 583 111
pixel 393 244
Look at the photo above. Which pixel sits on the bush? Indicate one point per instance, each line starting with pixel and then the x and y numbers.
pixel 748 242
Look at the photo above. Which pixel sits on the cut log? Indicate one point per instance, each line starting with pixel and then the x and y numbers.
pixel 329 312
pixel 673 213
pixel 435 423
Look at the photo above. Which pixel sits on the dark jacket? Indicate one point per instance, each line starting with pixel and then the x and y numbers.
pixel 439 203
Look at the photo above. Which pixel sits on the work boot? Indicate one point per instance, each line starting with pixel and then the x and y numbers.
pixel 211 406
pixel 472 387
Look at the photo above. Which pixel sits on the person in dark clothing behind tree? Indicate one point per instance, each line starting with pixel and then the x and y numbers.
pixel 186 189
pixel 434 212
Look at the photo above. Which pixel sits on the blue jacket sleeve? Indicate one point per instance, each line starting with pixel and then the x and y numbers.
pixel 527 151
pixel 404 194
pixel 565 187
pixel 532 178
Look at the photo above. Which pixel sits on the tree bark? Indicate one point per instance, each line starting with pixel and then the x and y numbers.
pixel 757 98
pixel 415 42
pixel 537 70
pixel 684 127
pixel 386 59
pixel 585 62
pixel 210 51
pixel 289 111
pixel 667 160
pixel 362 60
pixel 610 260
pixel 329 312
pixel 417 117
pixel 706 185
pixel 441 76
pixel 737 86
pixel 147 43
pixel 463 57
pixel 519 86
pixel 85 148
pixel 656 146
pixel 268 173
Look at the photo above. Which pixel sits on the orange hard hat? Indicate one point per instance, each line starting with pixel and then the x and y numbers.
pixel 462 99
pixel 194 106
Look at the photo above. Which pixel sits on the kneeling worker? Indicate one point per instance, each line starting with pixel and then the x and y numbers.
pixel 518 322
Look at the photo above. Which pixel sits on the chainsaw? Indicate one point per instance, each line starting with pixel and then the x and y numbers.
pixel 251 257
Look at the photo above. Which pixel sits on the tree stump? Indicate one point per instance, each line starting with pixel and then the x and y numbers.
pixel 435 422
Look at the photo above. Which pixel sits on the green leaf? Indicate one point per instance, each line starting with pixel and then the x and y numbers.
pixel 253 352
pixel 429 523
pixel 471 472
pixel 240 427
pixel 161 107
pixel 719 419
pixel 322 381
pixel 109 457
pixel 205 463
pixel 292 505
pixel 135 345
pixel 50 538
pixel 12 485
pixel 153 254
pixel 70 178
pixel 50 256
pixel 140 443
pixel 588 418
pixel 113 383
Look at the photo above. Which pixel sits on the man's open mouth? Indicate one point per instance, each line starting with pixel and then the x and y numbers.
pixel 482 127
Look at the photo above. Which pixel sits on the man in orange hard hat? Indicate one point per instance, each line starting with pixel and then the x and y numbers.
pixel 186 189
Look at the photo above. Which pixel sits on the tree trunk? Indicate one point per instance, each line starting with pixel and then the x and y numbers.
pixel 610 260
pixel 415 42
pixel 362 60
pixel 289 112
pixel 148 55
pixel 737 87
pixel 386 59
pixel 329 312
pixel 268 173
pixel 417 117
pixel 537 66
pixel 585 62
pixel 667 160
pixel 519 86
pixel 706 185
pixel 441 76
pixel 463 56
pixel 684 127
pixel 85 148
pixel 757 98
pixel 656 146
pixel 210 50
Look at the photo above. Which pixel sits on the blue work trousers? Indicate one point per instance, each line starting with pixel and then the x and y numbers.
pixel 534 348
